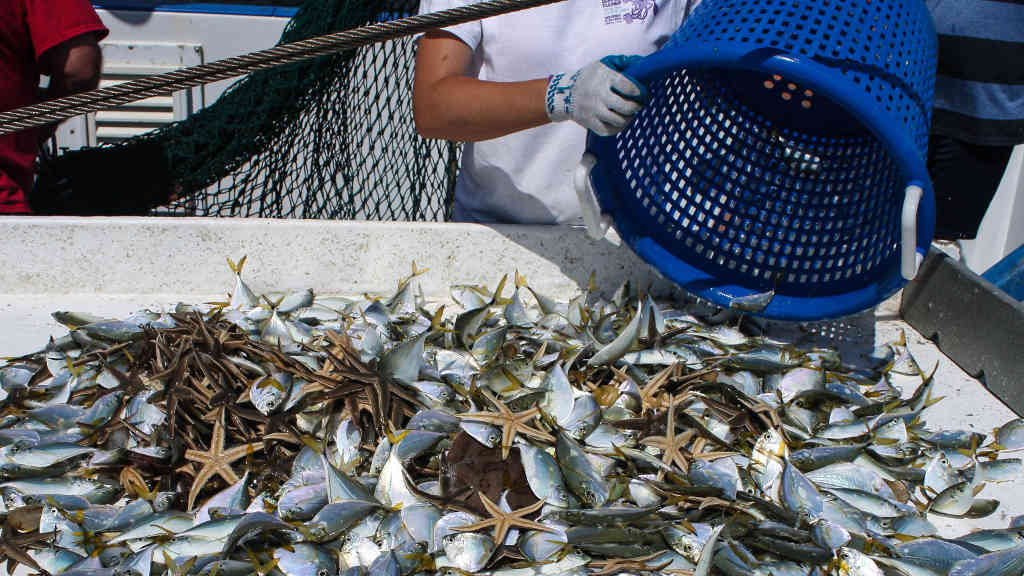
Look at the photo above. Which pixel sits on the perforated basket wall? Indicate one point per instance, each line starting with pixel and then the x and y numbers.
pixel 775 150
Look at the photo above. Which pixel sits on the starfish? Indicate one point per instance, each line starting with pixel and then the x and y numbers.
pixel 217 460
pixel 639 564
pixel 649 393
pixel 13 546
pixel 510 422
pixel 503 521
pixel 672 445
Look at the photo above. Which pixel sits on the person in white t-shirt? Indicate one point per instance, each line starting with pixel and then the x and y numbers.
pixel 508 85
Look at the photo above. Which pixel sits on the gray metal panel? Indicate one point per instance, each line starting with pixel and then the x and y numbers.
pixel 975 324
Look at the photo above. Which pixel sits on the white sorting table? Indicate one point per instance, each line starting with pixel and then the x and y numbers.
pixel 114 266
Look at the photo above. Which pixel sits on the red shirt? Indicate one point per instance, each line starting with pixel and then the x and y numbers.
pixel 27 29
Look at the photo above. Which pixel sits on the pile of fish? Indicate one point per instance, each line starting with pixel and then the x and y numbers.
pixel 502 432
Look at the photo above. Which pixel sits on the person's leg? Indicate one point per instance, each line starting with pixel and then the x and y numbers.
pixel 965 178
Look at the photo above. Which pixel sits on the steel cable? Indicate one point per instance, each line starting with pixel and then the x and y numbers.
pixel 59 109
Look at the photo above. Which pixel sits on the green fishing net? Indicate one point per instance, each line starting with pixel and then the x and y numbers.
pixel 328 138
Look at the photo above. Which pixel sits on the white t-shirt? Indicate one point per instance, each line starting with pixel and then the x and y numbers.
pixel 526 177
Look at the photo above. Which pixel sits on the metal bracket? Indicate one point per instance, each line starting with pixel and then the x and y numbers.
pixel 975 324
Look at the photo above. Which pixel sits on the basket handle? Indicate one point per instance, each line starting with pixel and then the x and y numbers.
pixel 910 259
pixel 597 223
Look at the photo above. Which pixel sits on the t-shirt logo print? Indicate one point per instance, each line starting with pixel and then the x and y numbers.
pixel 628 11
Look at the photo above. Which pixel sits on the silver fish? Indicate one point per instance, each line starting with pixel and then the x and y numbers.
pixel 1011 435
pixel 852 562
pixel 543 475
pixel 302 503
pixel 624 341
pixel 582 477
pixel 269 393
pixel 402 363
pixel 799 495
pixel 720 473
pixel 468 551
pixel 242 297
pixel 752 303
pixel 584 417
pixel 1002 563
pixel 334 519
pixel 689 541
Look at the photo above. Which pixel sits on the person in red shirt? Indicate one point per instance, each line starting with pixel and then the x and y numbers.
pixel 55 38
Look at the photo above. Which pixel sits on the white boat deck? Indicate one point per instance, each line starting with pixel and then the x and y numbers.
pixel 114 266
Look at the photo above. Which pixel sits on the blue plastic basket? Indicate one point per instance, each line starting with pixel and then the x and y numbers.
pixel 783 148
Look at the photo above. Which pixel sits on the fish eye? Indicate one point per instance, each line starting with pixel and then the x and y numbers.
pixel 844 554
pixel 885 523
pixel 322 572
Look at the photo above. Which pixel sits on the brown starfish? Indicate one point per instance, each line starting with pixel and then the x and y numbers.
pixel 672 445
pixel 13 546
pixel 649 393
pixel 511 423
pixel 639 564
pixel 502 521
pixel 217 460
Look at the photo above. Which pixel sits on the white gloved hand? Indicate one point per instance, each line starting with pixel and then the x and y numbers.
pixel 599 96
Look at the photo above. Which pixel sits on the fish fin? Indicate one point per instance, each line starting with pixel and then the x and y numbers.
pixel 418 271
pixel 497 291
pixel 497 298
pixel 520 280
pixel 312 443
pixel 275 303
pixel 236 267
pixel 540 353
pixel 394 436
pixel 436 321
pixel 276 384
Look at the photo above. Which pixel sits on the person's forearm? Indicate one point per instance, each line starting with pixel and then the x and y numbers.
pixel 73 67
pixel 68 83
pixel 467 109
